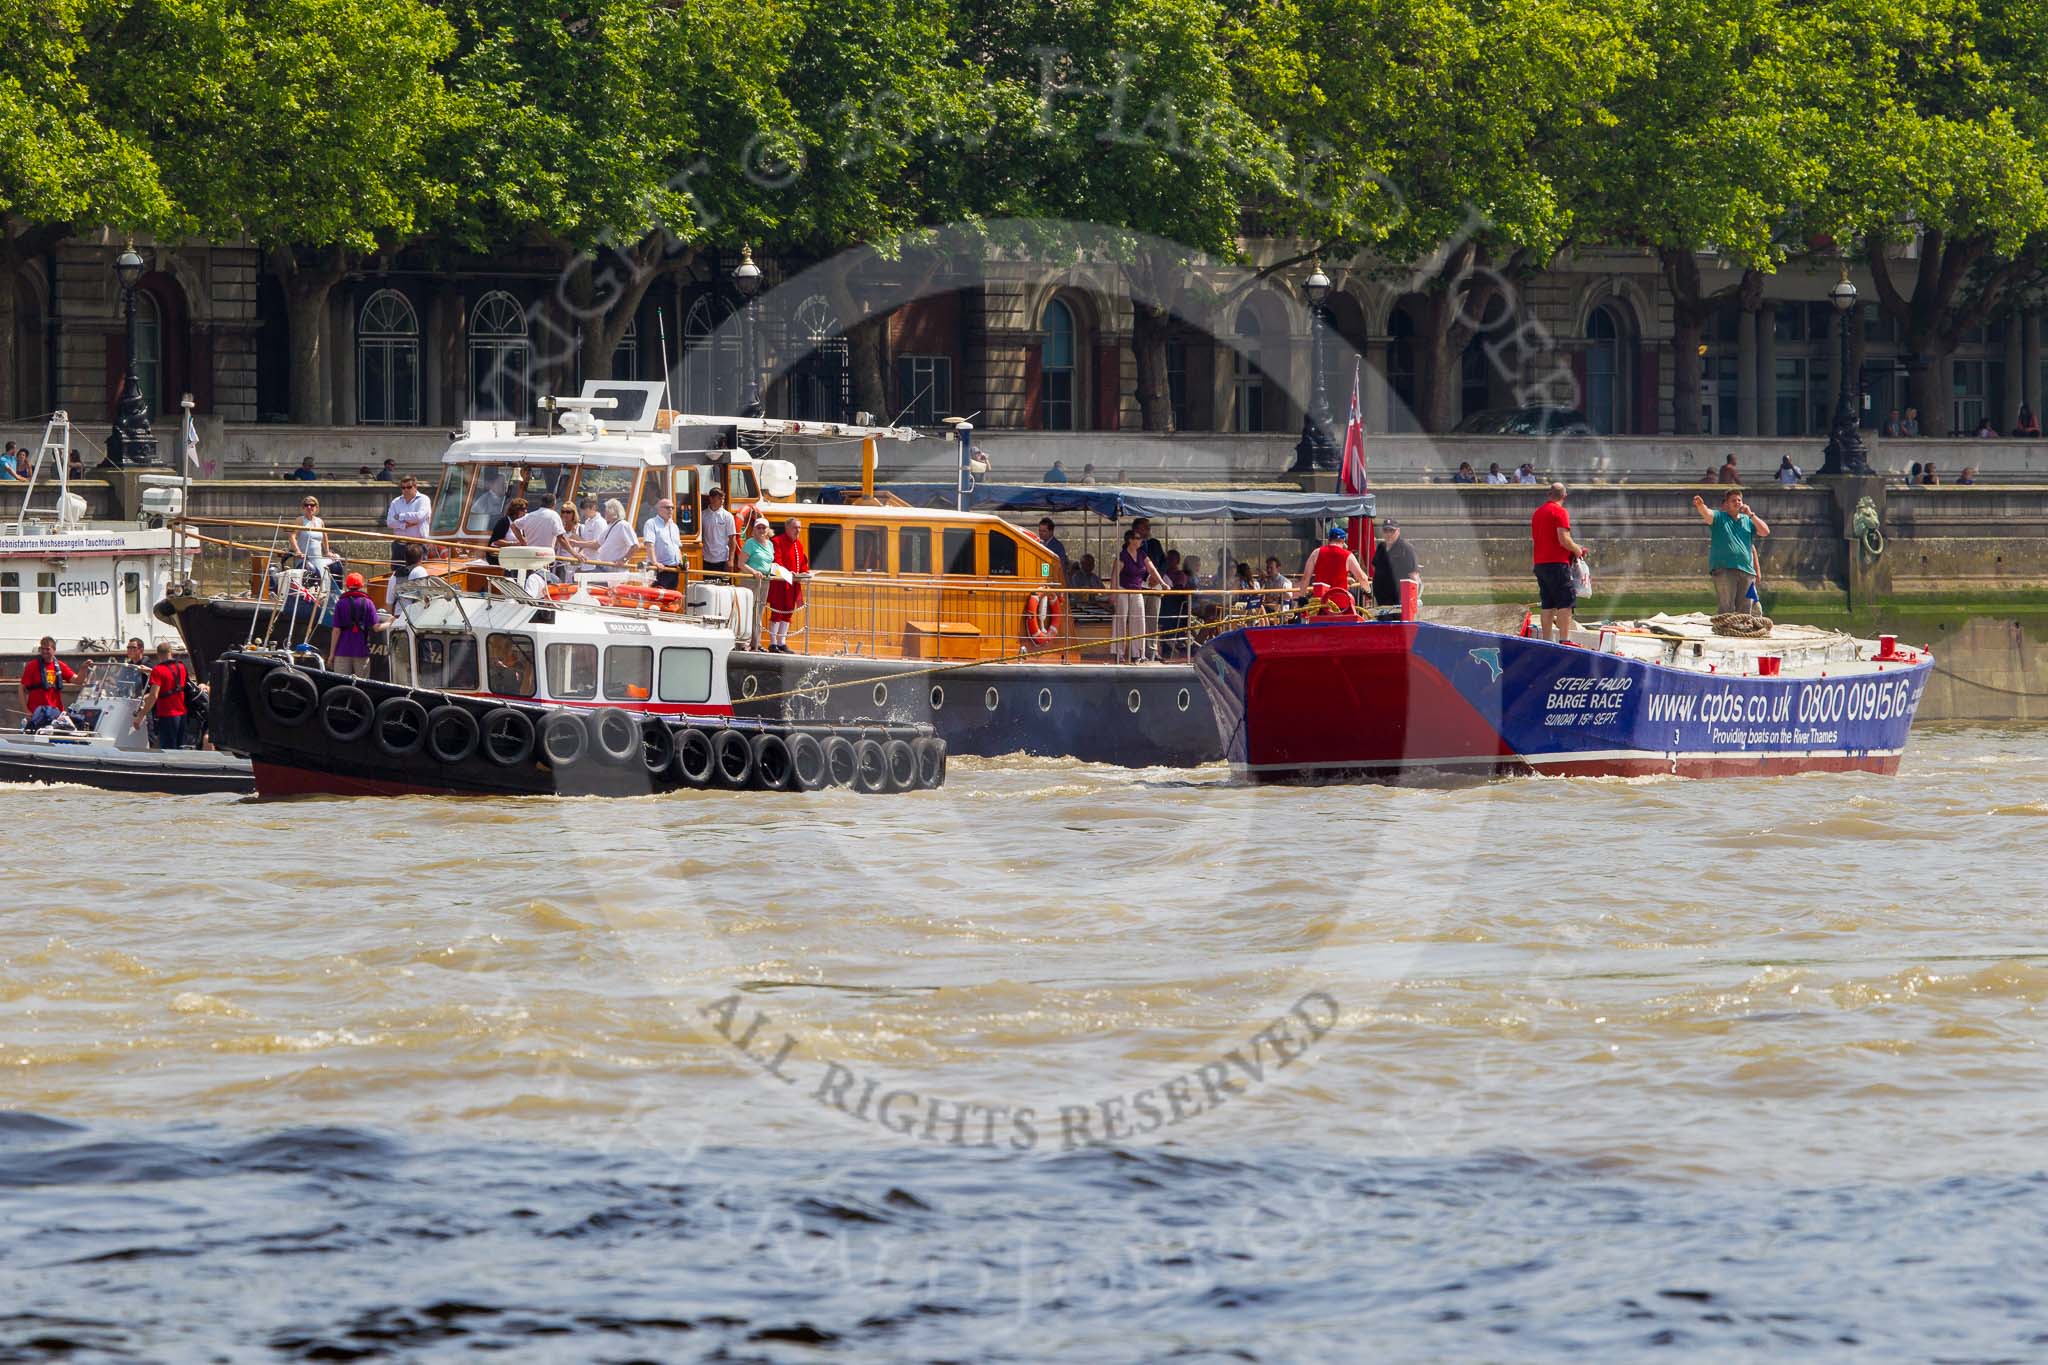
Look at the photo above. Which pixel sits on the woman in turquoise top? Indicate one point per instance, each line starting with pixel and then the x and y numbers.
pixel 758 554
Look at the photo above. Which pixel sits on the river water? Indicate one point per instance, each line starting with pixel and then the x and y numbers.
pixel 1055 1062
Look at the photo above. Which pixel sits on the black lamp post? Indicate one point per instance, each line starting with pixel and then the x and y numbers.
pixel 1314 451
pixel 1845 453
pixel 746 278
pixel 132 442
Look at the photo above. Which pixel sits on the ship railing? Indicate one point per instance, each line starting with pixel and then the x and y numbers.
pixel 865 616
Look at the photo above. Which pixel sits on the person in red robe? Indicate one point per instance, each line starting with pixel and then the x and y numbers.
pixel 785 595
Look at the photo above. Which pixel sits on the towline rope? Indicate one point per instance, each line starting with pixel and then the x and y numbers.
pixel 1988 687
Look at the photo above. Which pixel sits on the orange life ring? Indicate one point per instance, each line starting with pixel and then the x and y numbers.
pixel 640 595
pixel 558 591
pixel 1042 617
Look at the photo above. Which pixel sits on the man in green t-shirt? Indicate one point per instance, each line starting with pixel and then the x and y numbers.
pixel 1736 529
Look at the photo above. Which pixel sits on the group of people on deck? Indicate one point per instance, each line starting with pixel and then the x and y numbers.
pixel 171 705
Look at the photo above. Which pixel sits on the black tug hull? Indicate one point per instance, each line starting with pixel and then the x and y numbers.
pixel 309 732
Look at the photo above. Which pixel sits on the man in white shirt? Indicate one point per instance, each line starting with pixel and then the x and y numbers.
pixel 543 527
pixel 719 532
pixel 408 515
pixel 589 525
pixel 1494 475
pixel 616 543
pixel 664 545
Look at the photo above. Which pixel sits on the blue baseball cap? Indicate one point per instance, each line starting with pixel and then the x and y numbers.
pixel 1339 533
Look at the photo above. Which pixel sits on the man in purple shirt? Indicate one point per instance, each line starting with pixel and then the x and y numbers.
pixel 355 616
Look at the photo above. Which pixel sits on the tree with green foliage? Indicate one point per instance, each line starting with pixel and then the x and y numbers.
pixel 622 135
pixel 1475 112
pixel 1715 144
pixel 872 162
pixel 302 124
pixel 64 166
pixel 1940 168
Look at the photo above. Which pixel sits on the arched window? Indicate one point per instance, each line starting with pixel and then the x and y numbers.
pixel 818 379
pixel 149 351
pixel 1606 394
pixel 500 359
pixel 1248 381
pixel 711 356
pixel 388 362
pixel 1056 368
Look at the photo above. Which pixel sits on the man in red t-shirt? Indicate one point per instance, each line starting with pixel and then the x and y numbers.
pixel 164 702
pixel 42 685
pixel 1550 531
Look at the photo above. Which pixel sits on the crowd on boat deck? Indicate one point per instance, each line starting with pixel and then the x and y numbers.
pixel 1161 602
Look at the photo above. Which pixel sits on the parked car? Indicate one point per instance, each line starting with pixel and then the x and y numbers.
pixel 1533 421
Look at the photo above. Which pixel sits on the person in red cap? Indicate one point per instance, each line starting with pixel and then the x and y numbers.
pixel 355 616
pixel 1331 571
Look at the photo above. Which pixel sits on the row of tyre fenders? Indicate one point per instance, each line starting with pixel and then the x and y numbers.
pixel 694 755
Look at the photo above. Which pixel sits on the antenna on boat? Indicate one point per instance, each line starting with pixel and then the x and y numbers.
pixel 661 326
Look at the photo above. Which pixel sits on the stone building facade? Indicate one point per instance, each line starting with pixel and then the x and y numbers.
pixel 426 343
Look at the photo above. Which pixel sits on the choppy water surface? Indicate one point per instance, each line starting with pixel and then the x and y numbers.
pixel 1056 1062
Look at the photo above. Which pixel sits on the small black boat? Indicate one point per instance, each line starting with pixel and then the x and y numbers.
pixel 308 731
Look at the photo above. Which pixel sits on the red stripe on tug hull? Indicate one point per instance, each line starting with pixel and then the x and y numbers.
pixel 1395 705
pixel 1421 771
pixel 278 779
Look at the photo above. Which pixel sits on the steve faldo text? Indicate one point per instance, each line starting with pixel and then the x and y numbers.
pixel 972 1123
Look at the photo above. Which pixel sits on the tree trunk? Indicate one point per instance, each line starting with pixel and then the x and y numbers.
pixel 306 289
pixel 1463 290
pixel 1928 383
pixel 867 359
pixel 1689 313
pixel 1149 328
pixel 610 294
pixel 11 402
pixel 1686 331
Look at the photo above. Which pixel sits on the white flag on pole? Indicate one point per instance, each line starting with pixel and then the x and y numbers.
pixel 191 446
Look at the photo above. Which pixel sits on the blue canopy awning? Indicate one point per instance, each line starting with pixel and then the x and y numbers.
pixel 1118 502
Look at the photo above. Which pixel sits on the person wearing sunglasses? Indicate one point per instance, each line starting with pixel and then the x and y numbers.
pixel 309 542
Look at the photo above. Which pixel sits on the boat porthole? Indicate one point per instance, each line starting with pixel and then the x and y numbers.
pixel 1045 699
pixel 1133 701
pixel 938 697
pixel 990 699
pixel 881 694
pixel 749 685
pixel 1182 699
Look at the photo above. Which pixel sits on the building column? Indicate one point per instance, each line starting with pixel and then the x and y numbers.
pixel 2015 372
pixel 1374 398
pixel 1766 371
pixel 1745 374
pixel 2030 361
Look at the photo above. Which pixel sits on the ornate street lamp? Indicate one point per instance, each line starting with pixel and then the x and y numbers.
pixel 1845 453
pixel 132 442
pixel 746 278
pixel 1314 451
